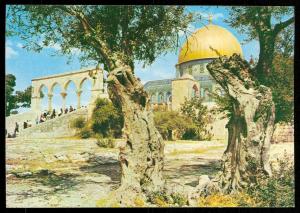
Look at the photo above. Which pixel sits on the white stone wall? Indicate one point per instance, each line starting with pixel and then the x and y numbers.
pixel 57 127
pixel 283 134
pixel 10 121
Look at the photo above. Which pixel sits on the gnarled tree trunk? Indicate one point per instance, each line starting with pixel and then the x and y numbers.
pixel 142 158
pixel 250 127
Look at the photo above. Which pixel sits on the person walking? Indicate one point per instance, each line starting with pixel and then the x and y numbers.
pixel 53 114
pixel 25 125
pixel 61 112
pixel 16 128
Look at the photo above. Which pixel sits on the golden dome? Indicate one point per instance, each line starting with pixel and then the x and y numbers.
pixel 202 43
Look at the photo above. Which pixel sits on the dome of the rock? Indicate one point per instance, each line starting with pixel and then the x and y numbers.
pixel 207 43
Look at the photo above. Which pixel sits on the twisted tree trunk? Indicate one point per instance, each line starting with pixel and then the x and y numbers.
pixel 250 127
pixel 142 158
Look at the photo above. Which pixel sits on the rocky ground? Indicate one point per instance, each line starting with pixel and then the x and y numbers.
pixel 76 173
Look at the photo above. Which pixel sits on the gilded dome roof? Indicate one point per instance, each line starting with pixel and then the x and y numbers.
pixel 203 43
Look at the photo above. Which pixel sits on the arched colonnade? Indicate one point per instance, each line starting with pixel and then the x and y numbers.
pixel 63 80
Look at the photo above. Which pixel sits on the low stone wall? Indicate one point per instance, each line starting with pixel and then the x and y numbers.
pixel 57 127
pixel 10 121
pixel 283 134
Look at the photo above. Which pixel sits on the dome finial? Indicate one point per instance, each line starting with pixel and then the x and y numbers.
pixel 210 16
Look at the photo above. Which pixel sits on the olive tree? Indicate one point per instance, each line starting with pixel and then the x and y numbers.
pixel 115 36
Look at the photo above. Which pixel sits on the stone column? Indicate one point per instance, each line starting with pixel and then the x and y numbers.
pixel 50 102
pixel 63 95
pixel 97 90
pixel 35 104
pixel 78 98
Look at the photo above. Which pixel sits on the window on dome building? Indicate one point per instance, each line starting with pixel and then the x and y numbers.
pixel 152 98
pixel 160 97
pixel 201 68
pixel 169 98
pixel 195 91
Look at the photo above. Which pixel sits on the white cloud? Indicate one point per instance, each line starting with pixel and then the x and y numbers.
pixel 9 51
pixel 20 45
pixel 57 47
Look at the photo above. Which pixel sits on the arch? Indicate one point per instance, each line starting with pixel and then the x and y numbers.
pixel 206 96
pixel 67 83
pixel 43 92
pixel 161 97
pixel 54 85
pixel 70 89
pixel 41 86
pixel 168 95
pixel 152 97
pixel 57 99
pixel 84 80
pixel 85 86
pixel 195 91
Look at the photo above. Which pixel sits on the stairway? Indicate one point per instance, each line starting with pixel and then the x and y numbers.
pixel 56 127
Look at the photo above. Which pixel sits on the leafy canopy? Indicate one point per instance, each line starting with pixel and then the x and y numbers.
pixel 103 34
pixel 168 121
pixel 10 100
pixel 199 114
pixel 253 21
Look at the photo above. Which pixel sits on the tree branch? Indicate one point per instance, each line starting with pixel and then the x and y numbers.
pixel 102 48
pixel 280 26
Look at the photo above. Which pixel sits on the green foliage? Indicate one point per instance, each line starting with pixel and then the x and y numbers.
pixel 106 142
pixel 78 123
pixel 274 28
pixel 85 132
pixel 199 114
pixel 278 190
pixel 249 20
pixel 19 99
pixel 24 97
pixel 107 119
pixel 103 33
pixel 168 121
pixel 10 83
pixel 160 199
pixel 223 104
pixel 179 199
pixel 281 82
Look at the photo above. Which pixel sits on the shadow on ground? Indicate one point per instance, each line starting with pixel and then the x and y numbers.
pixel 103 165
pixel 192 172
pixel 56 183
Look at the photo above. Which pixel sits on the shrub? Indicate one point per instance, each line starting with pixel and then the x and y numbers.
pixel 160 199
pixel 139 202
pixel 180 199
pixel 107 119
pixel 85 132
pixel 200 116
pixel 78 123
pixel 239 199
pixel 168 121
pixel 278 190
pixel 106 142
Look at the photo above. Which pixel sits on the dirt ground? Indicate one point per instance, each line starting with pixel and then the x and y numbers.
pixel 76 173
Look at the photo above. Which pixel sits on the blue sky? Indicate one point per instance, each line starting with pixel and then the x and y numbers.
pixel 28 65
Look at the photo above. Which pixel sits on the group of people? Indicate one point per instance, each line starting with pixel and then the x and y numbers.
pixel 47 115
pixel 44 116
pixel 14 134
